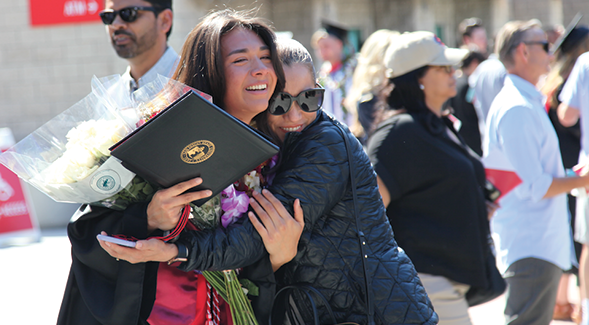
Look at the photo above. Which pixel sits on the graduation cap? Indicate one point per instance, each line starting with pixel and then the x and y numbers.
pixel 571 36
pixel 335 30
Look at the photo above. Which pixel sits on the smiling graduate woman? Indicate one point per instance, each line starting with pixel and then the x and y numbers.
pixel 231 56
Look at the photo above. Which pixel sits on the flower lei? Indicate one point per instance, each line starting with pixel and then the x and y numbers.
pixel 235 198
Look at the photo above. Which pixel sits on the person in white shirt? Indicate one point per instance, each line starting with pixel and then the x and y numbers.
pixel 335 75
pixel 530 228
pixel 575 103
pixel 486 80
pixel 474 35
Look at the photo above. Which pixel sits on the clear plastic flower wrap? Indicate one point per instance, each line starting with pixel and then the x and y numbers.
pixel 137 109
pixel 68 158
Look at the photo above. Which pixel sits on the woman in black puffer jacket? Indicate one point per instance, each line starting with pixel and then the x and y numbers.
pixel 329 257
pixel 314 168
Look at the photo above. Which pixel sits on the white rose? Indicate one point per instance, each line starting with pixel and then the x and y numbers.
pixel 87 143
pixel 80 134
pixel 80 156
pixel 97 136
pixel 252 180
pixel 107 133
pixel 76 164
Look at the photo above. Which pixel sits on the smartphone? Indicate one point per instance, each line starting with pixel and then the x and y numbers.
pixel 492 193
pixel 117 241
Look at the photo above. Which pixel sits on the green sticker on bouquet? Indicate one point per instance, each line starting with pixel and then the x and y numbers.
pixel 106 181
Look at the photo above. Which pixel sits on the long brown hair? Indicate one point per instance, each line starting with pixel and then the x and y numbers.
pixel 201 63
pixel 562 67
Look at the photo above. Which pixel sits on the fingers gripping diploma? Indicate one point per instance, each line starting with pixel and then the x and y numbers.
pixel 165 208
pixel 144 251
pixel 279 231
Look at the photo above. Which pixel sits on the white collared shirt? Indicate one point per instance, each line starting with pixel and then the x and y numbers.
pixel 165 66
pixel 335 91
pixel 487 81
pixel 519 132
pixel 575 93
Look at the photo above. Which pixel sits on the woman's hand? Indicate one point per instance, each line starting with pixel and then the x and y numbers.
pixel 152 250
pixel 581 169
pixel 491 208
pixel 165 208
pixel 280 231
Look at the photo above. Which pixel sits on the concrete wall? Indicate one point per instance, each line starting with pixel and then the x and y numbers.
pixel 45 70
pixel 572 7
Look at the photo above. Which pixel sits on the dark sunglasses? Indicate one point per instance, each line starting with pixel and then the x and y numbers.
pixel 545 45
pixel 309 100
pixel 128 14
pixel 447 68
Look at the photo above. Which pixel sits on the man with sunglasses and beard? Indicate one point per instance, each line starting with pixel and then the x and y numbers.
pixel 139 31
pixel 531 227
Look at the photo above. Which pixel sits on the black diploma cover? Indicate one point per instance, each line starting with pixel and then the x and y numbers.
pixel 193 137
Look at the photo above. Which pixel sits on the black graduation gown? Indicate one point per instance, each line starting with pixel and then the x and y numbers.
pixel 99 289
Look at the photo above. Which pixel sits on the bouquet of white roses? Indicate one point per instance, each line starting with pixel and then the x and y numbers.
pixel 68 158
pixel 137 109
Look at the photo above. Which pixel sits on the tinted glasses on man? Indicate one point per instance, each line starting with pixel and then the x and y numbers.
pixel 127 14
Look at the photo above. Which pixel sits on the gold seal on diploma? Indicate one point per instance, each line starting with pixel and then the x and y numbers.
pixel 197 152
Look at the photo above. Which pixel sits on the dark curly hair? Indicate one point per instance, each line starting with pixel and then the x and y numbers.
pixel 404 95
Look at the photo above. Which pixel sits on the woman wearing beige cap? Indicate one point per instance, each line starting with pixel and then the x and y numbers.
pixel 430 183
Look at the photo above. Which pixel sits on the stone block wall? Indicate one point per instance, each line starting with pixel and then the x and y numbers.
pixel 44 70
pixel 572 7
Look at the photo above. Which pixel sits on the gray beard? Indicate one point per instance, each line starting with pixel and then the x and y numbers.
pixel 125 52
pixel 137 46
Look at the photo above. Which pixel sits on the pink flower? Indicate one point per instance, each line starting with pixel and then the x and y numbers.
pixel 234 203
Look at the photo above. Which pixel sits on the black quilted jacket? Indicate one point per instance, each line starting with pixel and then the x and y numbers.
pixel 314 169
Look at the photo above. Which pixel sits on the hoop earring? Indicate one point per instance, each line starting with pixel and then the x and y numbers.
pixel 421 87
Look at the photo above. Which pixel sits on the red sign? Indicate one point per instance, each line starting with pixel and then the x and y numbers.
pixel 51 12
pixel 14 212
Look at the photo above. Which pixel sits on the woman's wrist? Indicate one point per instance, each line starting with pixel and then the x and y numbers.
pixel 180 253
pixel 276 264
pixel 278 261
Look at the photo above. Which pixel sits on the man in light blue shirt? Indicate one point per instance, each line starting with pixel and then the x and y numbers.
pixel 530 228
pixel 486 80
